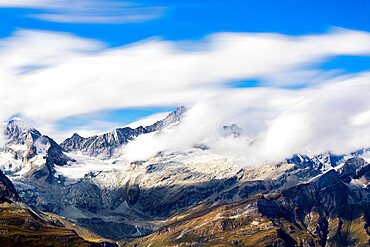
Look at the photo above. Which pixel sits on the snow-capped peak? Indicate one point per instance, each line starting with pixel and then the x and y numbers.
pixel 17 128
pixel 16 119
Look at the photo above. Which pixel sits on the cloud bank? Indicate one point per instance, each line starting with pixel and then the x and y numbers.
pixel 333 116
pixel 50 76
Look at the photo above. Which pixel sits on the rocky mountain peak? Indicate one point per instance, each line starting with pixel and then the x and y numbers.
pixel 30 153
pixel 350 168
pixel 19 131
pixel 231 130
pixel 172 118
pixel 76 136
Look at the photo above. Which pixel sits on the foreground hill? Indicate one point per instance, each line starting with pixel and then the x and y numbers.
pixel 21 225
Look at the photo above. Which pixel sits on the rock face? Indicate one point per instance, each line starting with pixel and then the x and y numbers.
pixel 7 190
pixel 331 210
pixel 232 130
pixel 103 146
pixel 29 153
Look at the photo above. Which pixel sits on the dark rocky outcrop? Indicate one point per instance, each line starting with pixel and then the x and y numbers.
pixel 7 190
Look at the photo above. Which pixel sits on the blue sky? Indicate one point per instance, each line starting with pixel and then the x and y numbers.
pixel 192 19
pixel 195 19
pixel 185 21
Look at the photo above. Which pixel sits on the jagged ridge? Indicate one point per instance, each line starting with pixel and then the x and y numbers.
pixel 103 146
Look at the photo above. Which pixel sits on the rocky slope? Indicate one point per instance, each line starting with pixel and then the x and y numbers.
pixel 135 199
pixel 21 225
pixel 330 210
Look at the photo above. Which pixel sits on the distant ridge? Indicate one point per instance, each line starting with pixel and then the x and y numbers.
pixel 103 146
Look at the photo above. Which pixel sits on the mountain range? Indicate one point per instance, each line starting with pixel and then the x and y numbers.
pixel 84 192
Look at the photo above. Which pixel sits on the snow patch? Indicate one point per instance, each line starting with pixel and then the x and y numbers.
pixel 362 183
pixel 366 156
pixel 13 167
pixel 137 233
pixel 41 146
pixel 74 171
pixel 38 160
pixel 16 119
pixel 17 147
pixel 255 223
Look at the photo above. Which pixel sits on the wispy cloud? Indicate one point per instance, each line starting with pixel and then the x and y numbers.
pixel 82 11
pixel 76 76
